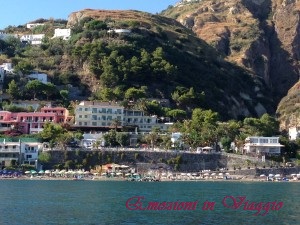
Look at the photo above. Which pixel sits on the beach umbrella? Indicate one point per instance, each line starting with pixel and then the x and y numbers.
pixel 47 171
pixel 27 172
pixel 271 175
pixel 206 174
pixel 127 174
pixel 213 174
pixel 118 174
pixel 32 171
pixel 220 174
pixel 41 171
pixel 194 174
pixel 124 166
pixel 262 175
pixel 277 175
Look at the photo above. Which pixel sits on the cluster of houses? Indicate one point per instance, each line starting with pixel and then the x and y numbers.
pixel 36 39
pixel 64 33
pixel 89 116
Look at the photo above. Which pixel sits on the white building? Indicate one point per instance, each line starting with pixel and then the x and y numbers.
pixel 65 34
pixel 21 151
pixel 42 77
pixel 262 145
pixel 175 139
pixel 294 133
pixel 34 39
pixel 106 114
pixel 98 114
pixel 7 67
pixel 119 31
pixel 89 140
pixel 33 25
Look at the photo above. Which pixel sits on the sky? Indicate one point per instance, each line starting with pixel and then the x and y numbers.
pixel 19 12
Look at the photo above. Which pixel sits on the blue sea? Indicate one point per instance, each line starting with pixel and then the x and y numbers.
pixel 104 202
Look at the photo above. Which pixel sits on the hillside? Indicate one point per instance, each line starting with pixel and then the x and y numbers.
pixel 159 57
pixel 260 35
pixel 288 109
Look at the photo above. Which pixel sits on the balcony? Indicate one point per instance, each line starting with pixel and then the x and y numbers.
pixel 36 130
pixel 2 129
pixel 10 150
pixel 8 158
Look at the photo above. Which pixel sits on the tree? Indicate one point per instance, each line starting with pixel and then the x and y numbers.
pixel 49 90
pixel 122 138
pixel 56 133
pixel 226 143
pixel 44 157
pixel 24 67
pixel 35 87
pixel 65 96
pixel 152 137
pixel 13 90
pixel 134 94
pixel 105 94
pixel 177 114
pixel 110 138
pixel 269 125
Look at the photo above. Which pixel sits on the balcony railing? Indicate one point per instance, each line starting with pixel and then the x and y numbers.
pixel 2 150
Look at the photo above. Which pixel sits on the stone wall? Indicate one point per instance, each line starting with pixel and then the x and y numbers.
pixel 185 162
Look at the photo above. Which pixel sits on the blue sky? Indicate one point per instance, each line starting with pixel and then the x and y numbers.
pixel 18 12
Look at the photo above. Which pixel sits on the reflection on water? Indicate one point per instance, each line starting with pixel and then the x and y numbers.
pixel 98 202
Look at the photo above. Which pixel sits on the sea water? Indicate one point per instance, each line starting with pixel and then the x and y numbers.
pixel 108 202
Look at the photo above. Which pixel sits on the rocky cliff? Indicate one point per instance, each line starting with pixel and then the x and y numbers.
pixel 260 35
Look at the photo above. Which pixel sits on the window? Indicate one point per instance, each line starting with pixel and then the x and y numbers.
pixel 80 123
pixel 94 117
pixel 86 109
pixel 94 123
pixel 103 110
pixel 80 116
pixel 109 111
pixel 274 140
pixel 85 116
pixel 79 109
pixel 253 140
pixel 85 123
pixel 263 140
pixel 94 110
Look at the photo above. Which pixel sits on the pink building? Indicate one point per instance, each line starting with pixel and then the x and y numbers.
pixel 61 112
pixel 32 122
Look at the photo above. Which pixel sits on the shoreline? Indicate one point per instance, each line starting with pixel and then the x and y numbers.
pixel 99 178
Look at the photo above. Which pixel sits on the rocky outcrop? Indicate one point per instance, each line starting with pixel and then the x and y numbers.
pixel 260 35
pixel 288 110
